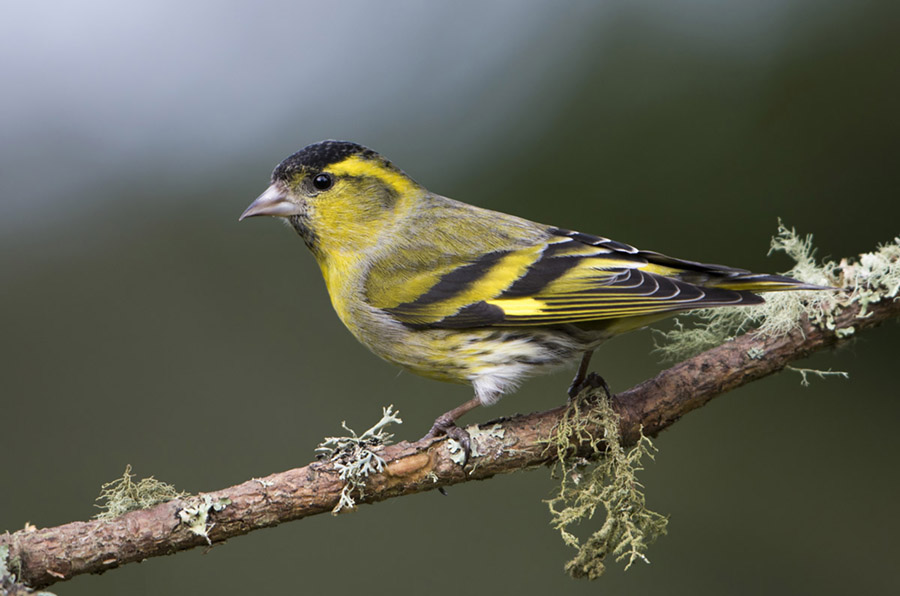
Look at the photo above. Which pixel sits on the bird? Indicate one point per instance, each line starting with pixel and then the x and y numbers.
pixel 463 294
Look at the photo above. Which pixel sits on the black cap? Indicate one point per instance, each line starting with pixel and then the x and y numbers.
pixel 318 156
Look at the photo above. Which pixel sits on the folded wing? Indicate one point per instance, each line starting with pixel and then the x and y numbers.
pixel 573 278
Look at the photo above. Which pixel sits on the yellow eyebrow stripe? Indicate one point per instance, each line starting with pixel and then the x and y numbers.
pixel 356 166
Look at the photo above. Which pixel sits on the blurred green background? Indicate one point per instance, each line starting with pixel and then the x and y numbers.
pixel 141 324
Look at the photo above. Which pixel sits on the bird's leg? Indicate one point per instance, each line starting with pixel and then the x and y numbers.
pixel 583 380
pixel 578 381
pixel 445 424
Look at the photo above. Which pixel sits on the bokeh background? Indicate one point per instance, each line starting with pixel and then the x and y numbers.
pixel 141 324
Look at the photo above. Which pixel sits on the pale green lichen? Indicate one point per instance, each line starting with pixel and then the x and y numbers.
pixel 756 353
pixel 356 457
pixel 195 514
pixel 607 481
pixel 822 374
pixel 779 315
pixel 873 277
pixel 456 452
pixel 124 494
pixel 488 442
pixel 481 439
pixel 482 442
pixel 7 577
pixel 4 557
pixel 783 311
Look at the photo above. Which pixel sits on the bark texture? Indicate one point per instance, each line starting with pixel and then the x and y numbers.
pixel 44 556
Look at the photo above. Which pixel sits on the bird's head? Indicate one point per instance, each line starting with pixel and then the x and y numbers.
pixel 338 195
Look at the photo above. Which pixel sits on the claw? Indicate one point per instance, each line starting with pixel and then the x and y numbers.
pixel 583 379
pixel 446 425
pixel 592 381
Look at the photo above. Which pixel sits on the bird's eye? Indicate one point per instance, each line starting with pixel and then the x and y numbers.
pixel 323 181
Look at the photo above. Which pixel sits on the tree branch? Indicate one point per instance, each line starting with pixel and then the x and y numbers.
pixel 43 557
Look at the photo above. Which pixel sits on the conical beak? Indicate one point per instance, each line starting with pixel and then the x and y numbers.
pixel 272 202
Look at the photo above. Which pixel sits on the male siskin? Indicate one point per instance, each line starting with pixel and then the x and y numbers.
pixel 459 293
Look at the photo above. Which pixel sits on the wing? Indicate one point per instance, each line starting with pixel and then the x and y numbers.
pixel 572 278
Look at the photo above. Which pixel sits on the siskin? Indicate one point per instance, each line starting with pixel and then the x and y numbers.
pixel 463 294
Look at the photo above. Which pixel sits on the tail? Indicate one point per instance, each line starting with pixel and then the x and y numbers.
pixel 727 278
pixel 761 282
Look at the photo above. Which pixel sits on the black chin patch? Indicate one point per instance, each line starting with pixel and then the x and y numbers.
pixel 299 223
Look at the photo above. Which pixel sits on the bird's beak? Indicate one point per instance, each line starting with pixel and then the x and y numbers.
pixel 272 202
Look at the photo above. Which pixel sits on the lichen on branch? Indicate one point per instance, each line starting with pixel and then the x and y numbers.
pixel 124 494
pixel 873 277
pixel 356 457
pixel 606 481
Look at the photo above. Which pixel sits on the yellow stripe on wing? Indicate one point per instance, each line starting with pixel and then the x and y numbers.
pixel 520 307
pixel 466 284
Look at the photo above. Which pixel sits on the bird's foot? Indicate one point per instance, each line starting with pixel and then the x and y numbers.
pixel 446 426
pixel 591 381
